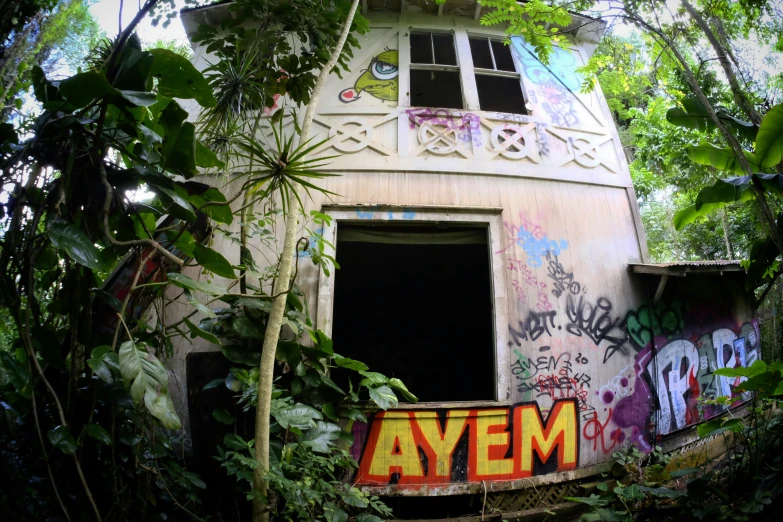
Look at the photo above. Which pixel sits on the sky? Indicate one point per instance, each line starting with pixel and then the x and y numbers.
pixel 106 13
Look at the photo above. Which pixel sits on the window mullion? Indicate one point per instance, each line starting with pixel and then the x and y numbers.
pixel 467 77
pixel 492 54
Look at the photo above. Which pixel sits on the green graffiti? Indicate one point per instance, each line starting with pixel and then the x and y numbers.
pixel 648 321
pixel 381 79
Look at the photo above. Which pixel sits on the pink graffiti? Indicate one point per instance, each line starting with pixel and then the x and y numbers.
pixel 465 125
pixel 527 275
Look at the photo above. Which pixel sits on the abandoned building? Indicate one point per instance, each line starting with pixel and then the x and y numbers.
pixel 493 257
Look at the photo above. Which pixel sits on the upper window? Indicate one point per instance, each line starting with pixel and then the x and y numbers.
pixel 435 71
pixel 497 80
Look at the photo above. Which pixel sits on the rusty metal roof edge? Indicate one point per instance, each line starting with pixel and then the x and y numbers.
pixel 682 267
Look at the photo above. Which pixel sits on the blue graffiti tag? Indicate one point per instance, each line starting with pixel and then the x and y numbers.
pixel 536 249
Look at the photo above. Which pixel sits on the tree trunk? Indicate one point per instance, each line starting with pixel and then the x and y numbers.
pixel 725 223
pixel 736 89
pixel 275 321
pixel 761 199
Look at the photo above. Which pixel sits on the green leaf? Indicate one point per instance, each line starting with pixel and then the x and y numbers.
pixel 15 372
pixel 195 331
pixel 100 369
pixel 178 78
pixel 684 472
pixel 366 517
pixel 717 196
pixel 756 368
pixel 202 308
pixel 183 281
pixel 206 158
pixel 693 115
pixel 75 243
pixel 142 221
pixel 215 383
pixel 182 208
pixel 355 414
pixel 247 328
pixel 220 213
pixel 351 364
pixel 62 439
pixel 373 378
pixel 706 153
pixel 149 381
pixel 222 415
pixel 179 150
pixel 299 416
pixel 355 499
pixel 241 355
pixel 332 513
pixel 140 98
pixel 397 385
pixel 321 437
pixel 214 261
pixel 769 141
pixel 383 396
pixel 80 89
pixel 194 479
pixel 98 433
pixel 716 426
pixel 330 383
pixel 185 242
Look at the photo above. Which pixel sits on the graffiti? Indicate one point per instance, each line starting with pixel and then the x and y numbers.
pixel 543 303
pixel 531 239
pixel 379 80
pixel 595 321
pixel 682 373
pixel 616 387
pixel 435 447
pixel 465 126
pixel 594 430
pixel 553 377
pixel 562 279
pixel 648 321
pixel 405 214
pixel 543 139
pixel 556 82
pixel 535 325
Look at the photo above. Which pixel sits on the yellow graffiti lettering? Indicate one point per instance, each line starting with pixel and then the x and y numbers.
pixel 560 431
pixel 396 451
pixel 492 441
pixel 443 442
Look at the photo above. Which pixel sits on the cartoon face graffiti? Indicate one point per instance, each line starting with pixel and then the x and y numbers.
pixel 379 80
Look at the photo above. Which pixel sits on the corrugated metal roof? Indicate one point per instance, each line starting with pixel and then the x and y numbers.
pixel 684 267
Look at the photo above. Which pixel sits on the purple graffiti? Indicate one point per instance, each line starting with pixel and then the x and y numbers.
pixel 465 125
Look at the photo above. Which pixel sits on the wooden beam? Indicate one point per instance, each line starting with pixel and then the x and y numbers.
pixel 403 6
pixel 364 8
pixel 440 9
pixel 477 13
pixel 661 286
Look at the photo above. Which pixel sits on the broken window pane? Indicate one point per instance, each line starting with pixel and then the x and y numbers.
pixel 421 48
pixel 501 94
pixel 503 59
pixel 445 54
pixel 479 49
pixel 436 89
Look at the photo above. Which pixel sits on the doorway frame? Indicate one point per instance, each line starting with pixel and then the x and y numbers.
pixel 432 215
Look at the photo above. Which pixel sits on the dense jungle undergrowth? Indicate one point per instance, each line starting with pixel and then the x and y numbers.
pixel 89 269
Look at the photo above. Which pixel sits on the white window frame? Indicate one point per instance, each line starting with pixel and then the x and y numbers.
pixel 429 215
pixel 516 74
pixel 436 66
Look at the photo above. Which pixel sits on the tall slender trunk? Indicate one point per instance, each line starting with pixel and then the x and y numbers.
pixel 275 321
pixel 761 200
pixel 725 222
pixel 720 52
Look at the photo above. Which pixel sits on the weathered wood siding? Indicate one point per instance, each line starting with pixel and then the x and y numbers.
pixel 574 335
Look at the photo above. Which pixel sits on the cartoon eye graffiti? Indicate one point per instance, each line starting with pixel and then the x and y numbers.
pixel 380 80
pixel 383 70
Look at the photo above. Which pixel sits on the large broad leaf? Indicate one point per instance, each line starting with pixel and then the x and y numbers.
pixel 195 331
pixel 241 355
pixel 85 87
pixel 179 150
pixel 299 416
pixel 321 437
pixel 98 433
pixel 214 261
pixel 716 426
pixel 183 281
pixel 708 154
pixel 398 385
pixel 206 158
pixel 223 415
pixel 178 78
pixel 769 141
pixel 75 243
pixel 62 439
pixel 184 241
pixel 693 115
pixel 383 396
pixel 220 213
pixel 350 364
pixel 149 381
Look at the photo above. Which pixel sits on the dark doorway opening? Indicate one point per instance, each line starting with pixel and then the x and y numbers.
pixel 415 302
